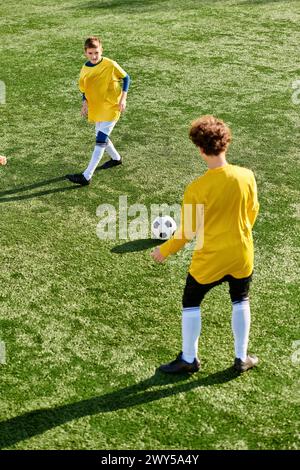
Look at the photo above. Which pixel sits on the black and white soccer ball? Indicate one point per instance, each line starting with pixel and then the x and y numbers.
pixel 163 227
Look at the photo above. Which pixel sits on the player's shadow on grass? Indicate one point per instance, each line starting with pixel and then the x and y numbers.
pixel 37 422
pixel 120 4
pixel 6 196
pixel 259 2
pixel 136 245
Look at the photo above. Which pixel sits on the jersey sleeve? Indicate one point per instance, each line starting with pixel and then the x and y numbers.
pixel 187 228
pixel 253 204
pixel 81 82
pixel 118 71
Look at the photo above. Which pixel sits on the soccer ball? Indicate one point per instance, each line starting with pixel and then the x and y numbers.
pixel 163 227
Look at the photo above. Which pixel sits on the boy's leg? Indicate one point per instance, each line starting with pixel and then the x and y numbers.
pixel 103 130
pixel 193 295
pixel 112 152
pixel 191 316
pixel 115 156
pixel 241 319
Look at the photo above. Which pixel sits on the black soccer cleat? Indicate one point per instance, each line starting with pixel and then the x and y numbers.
pixel 110 163
pixel 179 366
pixel 78 178
pixel 242 366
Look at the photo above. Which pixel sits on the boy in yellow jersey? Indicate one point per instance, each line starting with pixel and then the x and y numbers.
pixel 2 160
pixel 103 101
pixel 228 197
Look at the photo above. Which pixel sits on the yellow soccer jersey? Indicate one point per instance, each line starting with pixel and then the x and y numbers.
pixel 227 197
pixel 102 88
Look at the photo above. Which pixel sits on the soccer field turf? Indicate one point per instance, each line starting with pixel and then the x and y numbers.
pixel 85 322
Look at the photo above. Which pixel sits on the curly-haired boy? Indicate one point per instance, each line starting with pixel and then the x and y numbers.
pixel 227 196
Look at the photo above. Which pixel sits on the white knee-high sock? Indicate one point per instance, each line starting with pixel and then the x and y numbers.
pixel 191 328
pixel 96 157
pixel 241 319
pixel 112 152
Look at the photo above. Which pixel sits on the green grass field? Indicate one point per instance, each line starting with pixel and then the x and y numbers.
pixel 86 322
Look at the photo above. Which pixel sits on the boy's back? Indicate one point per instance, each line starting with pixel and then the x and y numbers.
pixel 228 194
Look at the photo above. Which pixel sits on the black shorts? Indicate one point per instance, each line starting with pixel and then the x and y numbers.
pixel 194 292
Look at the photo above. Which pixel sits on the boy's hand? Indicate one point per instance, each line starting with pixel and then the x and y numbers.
pixel 122 104
pixel 157 256
pixel 2 160
pixel 84 108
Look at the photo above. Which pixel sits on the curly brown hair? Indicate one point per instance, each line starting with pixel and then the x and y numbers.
pixel 92 42
pixel 211 134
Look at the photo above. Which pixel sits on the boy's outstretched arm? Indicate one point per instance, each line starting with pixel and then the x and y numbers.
pixel 170 247
pixel 157 256
pixel 185 233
